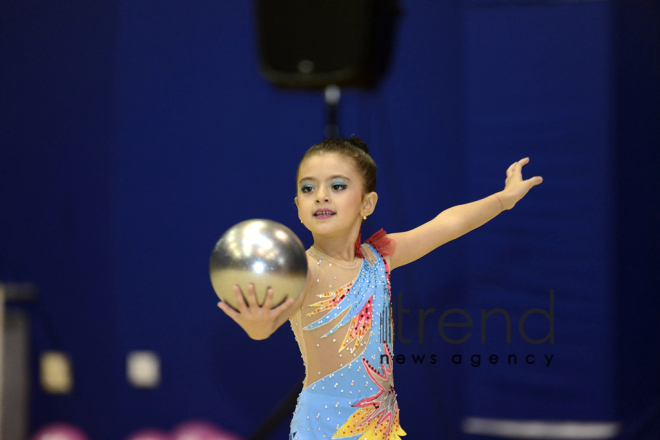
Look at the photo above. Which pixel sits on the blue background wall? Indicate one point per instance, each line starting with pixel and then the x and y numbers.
pixel 134 133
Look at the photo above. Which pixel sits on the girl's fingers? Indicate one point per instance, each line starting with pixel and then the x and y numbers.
pixel 242 307
pixel 533 181
pixel 251 296
pixel 269 298
pixel 509 170
pixel 517 167
pixel 285 305
pixel 228 310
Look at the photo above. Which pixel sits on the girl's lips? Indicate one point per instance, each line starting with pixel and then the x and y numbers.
pixel 323 215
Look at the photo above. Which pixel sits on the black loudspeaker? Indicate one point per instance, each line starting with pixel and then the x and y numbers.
pixel 316 43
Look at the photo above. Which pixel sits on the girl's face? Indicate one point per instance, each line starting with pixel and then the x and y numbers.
pixel 329 196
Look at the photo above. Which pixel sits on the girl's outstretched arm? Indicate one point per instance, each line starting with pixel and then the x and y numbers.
pixel 461 219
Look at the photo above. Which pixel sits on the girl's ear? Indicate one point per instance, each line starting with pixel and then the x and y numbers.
pixel 369 203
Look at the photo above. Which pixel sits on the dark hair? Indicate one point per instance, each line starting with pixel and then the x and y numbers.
pixel 352 147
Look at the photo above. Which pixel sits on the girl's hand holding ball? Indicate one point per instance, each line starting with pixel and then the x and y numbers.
pixel 515 187
pixel 258 322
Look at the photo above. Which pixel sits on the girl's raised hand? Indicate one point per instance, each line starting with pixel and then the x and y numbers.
pixel 258 322
pixel 515 187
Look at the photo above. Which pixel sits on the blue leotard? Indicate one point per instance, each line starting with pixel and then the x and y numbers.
pixel 347 352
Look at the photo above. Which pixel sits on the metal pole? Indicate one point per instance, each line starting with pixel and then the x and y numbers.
pixel 332 95
pixel 9 293
pixel 2 349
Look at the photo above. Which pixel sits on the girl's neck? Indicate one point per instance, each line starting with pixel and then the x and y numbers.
pixel 340 250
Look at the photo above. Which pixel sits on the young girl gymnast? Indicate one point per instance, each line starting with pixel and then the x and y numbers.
pixel 342 320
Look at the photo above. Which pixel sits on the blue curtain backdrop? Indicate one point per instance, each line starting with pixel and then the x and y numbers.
pixel 134 133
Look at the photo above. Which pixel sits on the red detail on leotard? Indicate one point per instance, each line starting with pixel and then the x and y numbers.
pixel 384 245
pixel 358 252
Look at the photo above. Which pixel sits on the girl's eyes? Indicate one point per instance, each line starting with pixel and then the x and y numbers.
pixel 335 186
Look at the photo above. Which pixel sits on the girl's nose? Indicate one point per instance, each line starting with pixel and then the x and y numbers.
pixel 321 195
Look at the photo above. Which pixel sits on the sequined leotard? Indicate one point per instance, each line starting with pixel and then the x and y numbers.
pixel 344 331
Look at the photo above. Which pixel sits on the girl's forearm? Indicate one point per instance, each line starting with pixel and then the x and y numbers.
pixel 470 216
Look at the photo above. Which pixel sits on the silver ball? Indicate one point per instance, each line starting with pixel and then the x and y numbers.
pixel 262 252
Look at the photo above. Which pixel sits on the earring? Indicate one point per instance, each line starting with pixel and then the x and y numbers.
pixel 364 218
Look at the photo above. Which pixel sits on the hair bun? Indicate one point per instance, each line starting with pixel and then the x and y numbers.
pixel 357 142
